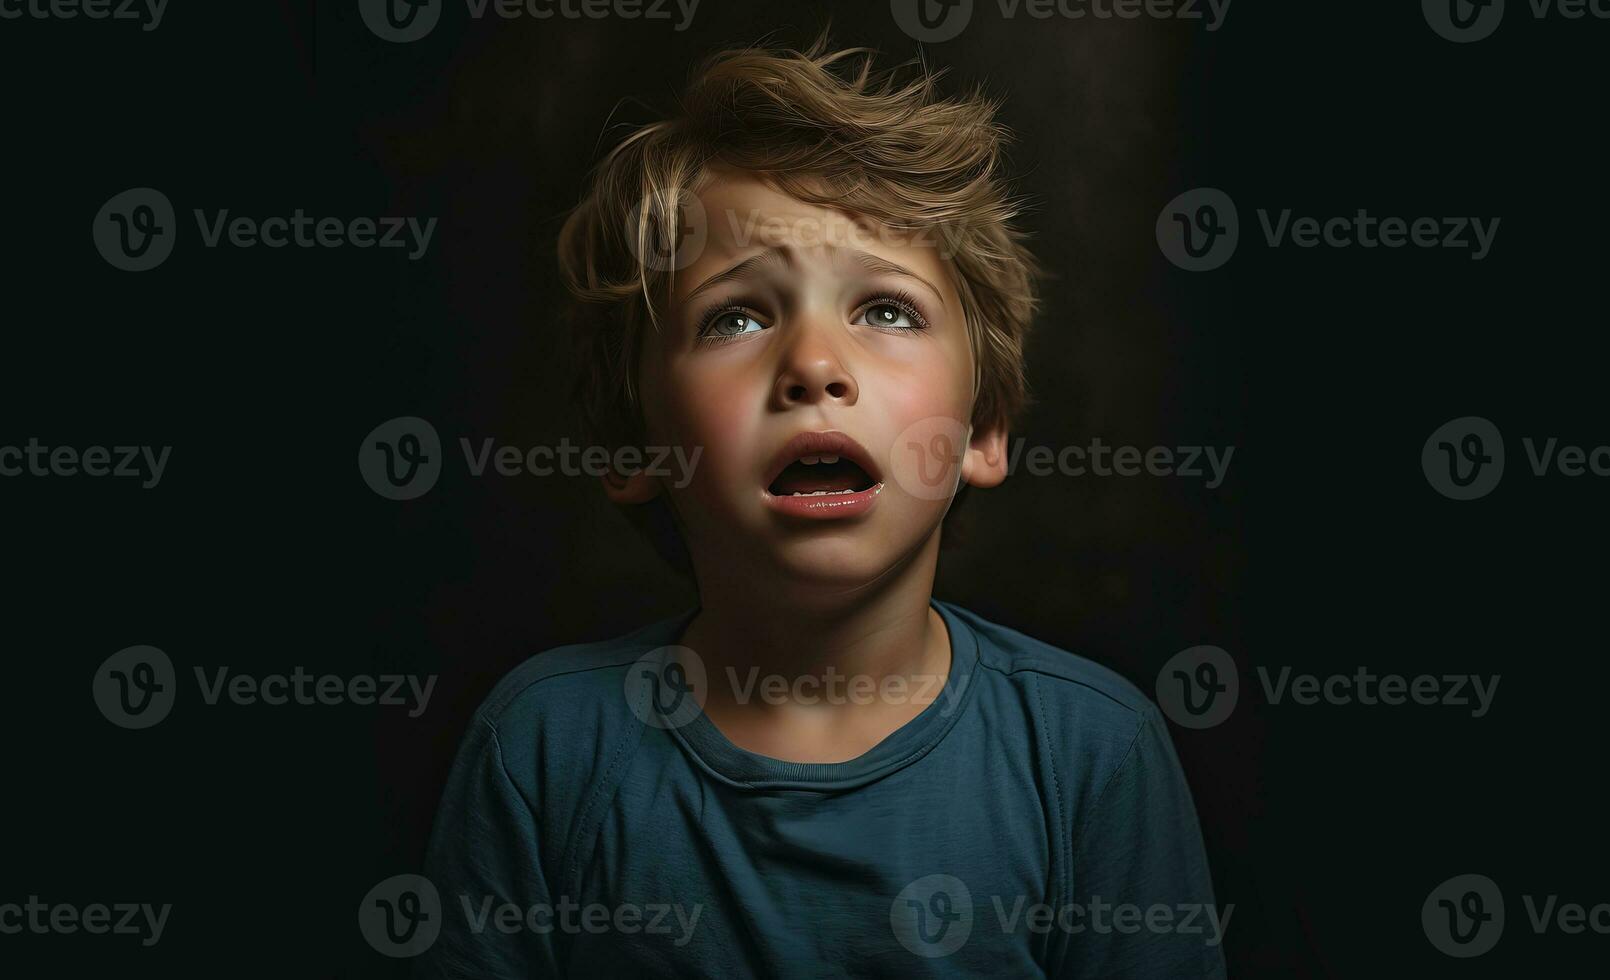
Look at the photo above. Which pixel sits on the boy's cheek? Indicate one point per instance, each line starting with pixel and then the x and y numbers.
pixel 723 430
pixel 937 394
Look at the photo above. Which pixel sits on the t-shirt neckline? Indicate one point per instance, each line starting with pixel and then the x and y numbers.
pixel 713 752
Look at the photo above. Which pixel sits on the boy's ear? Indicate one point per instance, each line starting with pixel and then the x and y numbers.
pixel 629 488
pixel 984 463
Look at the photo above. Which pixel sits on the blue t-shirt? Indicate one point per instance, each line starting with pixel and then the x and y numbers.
pixel 1031 821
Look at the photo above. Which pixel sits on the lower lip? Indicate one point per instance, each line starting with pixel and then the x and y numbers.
pixel 826 507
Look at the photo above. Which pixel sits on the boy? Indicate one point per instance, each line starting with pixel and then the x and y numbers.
pixel 811 279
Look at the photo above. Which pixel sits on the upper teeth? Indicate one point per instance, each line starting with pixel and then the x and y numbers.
pixel 813 460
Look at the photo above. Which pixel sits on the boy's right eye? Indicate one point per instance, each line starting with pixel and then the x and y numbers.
pixel 729 322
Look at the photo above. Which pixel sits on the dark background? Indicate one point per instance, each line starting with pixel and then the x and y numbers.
pixel 1326 369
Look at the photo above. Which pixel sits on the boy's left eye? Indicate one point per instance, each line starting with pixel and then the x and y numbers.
pixel 891 316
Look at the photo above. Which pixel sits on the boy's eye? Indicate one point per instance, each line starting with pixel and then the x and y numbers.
pixel 731 323
pixel 891 316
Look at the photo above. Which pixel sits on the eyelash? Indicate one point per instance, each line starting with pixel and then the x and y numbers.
pixel 899 299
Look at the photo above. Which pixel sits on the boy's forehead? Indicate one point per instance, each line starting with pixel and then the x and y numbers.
pixel 746 216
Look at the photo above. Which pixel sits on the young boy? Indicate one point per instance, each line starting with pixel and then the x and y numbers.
pixel 809 282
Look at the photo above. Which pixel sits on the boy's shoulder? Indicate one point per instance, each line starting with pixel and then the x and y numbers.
pixel 1065 684
pixel 576 683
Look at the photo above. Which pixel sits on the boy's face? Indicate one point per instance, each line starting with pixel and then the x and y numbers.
pixel 793 319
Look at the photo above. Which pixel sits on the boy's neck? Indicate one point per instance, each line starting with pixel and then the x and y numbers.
pixel 747 631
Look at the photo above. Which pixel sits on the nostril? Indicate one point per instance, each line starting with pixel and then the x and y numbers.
pixel 796 392
pixel 837 389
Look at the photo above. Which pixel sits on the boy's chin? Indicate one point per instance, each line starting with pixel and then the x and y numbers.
pixel 833 564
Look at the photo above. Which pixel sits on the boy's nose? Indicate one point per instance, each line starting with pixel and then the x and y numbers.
pixel 813 372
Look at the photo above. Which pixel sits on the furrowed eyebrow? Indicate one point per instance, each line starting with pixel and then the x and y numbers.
pixel 779 255
pixel 874 264
pixel 773 256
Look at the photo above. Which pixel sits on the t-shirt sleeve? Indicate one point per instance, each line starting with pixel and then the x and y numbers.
pixel 485 855
pixel 1141 888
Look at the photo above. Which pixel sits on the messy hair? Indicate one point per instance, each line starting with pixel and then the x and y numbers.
pixel 825 128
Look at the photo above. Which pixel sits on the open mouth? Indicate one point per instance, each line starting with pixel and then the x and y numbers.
pixel 822 474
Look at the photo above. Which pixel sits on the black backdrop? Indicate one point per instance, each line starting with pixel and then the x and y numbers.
pixel 262 548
